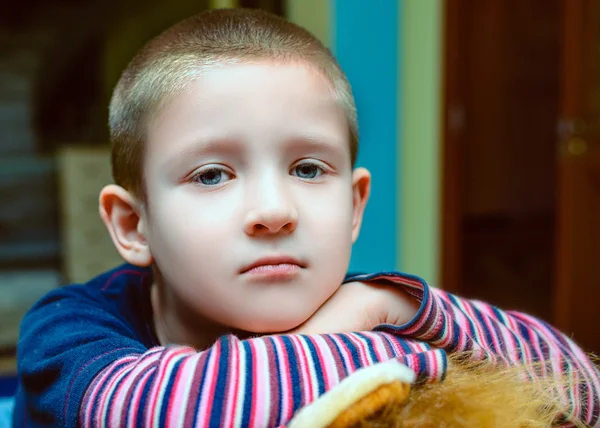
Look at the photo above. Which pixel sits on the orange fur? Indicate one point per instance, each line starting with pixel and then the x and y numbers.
pixel 477 394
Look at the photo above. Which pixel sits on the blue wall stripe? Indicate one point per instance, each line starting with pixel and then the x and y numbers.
pixel 365 42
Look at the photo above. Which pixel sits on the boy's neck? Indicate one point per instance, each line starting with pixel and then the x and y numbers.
pixel 172 326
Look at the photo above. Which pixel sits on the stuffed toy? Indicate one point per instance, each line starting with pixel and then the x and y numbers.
pixel 475 393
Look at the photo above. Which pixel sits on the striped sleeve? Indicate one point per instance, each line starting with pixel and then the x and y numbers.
pixel 258 382
pixel 455 324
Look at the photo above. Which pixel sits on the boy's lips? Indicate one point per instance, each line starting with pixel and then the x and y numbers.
pixel 274 265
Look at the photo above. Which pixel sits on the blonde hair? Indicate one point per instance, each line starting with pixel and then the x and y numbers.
pixel 170 61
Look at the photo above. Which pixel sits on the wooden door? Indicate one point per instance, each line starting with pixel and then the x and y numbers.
pixel 577 297
pixel 502 64
pixel 521 159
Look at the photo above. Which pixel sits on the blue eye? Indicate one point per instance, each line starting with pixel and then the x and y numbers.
pixel 211 176
pixel 307 170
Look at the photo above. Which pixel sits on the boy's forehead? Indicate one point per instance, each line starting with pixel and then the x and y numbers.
pixel 253 78
pixel 230 102
pixel 222 91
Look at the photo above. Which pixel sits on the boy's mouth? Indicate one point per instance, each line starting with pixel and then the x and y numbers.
pixel 274 265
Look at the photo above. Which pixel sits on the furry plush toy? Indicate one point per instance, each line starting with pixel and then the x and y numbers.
pixel 474 394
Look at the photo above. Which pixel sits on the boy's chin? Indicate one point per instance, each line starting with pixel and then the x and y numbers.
pixel 273 325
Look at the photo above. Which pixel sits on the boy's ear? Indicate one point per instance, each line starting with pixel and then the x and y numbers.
pixel 361 189
pixel 120 212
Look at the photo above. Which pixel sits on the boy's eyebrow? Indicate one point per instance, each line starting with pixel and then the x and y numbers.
pixel 317 142
pixel 204 147
pixel 232 146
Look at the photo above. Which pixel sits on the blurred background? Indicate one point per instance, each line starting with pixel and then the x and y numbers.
pixel 479 121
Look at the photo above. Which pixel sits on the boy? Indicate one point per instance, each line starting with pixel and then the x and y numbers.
pixel 236 204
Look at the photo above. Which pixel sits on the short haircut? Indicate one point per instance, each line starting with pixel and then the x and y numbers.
pixel 169 62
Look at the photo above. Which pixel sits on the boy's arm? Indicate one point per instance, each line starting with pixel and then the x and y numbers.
pixel 81 365
pixel 258 382
pixel 455 324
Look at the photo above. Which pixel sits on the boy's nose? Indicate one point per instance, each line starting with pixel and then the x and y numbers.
pixel 271 221
pixel 272 210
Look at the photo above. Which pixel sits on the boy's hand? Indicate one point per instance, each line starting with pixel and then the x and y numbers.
pixel 359 306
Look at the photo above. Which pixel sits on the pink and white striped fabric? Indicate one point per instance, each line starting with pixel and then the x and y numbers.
pixel 262 381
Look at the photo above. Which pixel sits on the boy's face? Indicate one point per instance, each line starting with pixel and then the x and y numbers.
pixel 253 205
